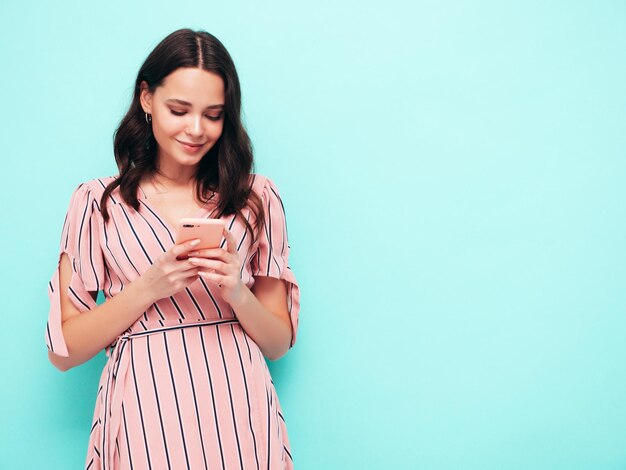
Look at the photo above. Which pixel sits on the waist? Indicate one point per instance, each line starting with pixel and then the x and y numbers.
pixel 129 336
pixel 117 368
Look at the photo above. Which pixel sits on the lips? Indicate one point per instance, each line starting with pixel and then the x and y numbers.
pixel 189 147
pixel 188 144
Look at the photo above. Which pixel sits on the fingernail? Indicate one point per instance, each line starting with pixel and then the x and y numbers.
pixel 194 242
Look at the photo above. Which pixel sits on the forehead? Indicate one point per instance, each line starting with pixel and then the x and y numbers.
pixel 194 85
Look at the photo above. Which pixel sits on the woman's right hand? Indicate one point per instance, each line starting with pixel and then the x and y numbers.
pixel 170 273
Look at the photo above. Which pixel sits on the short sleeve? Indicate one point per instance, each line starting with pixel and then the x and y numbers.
pixel 271 258
pixel 80 239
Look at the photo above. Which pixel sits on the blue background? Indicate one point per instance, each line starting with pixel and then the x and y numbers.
pixel 453 175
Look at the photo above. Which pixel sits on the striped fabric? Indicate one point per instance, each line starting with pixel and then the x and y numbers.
pixel 184 387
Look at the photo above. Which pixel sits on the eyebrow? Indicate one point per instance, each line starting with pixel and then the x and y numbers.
pixel 186 103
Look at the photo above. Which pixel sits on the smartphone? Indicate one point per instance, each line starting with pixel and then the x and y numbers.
pixel 208 231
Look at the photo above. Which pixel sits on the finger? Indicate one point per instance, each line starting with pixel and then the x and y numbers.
pixel 231 243
pixel 187 274
pixel 186 281
pixel 208 264
pixel 192 270
pixel 218 253
pixel 213 277
pixel 178 250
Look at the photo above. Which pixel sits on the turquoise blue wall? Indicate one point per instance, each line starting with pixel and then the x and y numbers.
pixel 453 174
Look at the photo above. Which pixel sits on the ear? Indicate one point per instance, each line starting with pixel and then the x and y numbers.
pixel 145 97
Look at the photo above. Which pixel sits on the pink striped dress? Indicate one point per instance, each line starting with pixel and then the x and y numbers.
pixel 184 387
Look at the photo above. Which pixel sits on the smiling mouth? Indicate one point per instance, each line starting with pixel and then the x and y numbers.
pixel 190 145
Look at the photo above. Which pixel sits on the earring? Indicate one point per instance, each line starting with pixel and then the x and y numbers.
pixel 148 118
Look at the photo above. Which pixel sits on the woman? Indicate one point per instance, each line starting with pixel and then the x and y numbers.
pixel 186 384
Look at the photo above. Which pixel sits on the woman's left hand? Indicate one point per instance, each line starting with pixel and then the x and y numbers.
pixel 221 267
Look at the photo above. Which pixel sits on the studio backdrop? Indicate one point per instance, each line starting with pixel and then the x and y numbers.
pixel 453 177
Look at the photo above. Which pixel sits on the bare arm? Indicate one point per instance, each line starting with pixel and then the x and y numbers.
pixel 87 333
pixel 262 311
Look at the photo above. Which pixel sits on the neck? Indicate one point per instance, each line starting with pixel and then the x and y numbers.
pixel 173 175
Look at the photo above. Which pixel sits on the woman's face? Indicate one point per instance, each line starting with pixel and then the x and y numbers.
pixel 187 115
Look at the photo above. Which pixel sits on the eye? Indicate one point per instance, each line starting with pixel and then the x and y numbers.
pixel 214 118
pixel 177 113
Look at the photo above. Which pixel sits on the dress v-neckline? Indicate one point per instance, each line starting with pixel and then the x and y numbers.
pixel 171 227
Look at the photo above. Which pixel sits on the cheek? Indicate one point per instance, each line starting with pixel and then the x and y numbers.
pixel 165 126
pixel 215 130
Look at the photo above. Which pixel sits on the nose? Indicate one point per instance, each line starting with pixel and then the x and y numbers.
pixel 194 126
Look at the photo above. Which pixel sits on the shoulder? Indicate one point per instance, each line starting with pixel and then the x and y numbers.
pixel 97 186
pixel 268 192
pixel 262 185
pixel 257 182
pixel 91 191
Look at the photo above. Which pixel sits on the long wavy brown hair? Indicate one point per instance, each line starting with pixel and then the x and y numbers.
pixel 226 167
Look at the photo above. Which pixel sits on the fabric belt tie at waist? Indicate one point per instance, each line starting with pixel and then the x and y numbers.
pixel 116 378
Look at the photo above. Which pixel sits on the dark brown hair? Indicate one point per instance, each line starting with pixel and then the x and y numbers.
pixel 226 167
